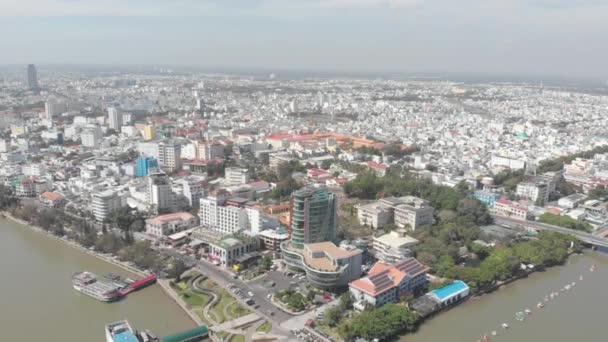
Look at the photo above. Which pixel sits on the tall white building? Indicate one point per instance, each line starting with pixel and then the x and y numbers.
pixel 91 137
pixel 160 194
pixel 169 156
pixel 114 118
pixel 228 219
pixel 104 203
pixel 225 219
pixel 52 109
pixel 236 176
pixel 193 190
pixel 207 150
pixel 536 191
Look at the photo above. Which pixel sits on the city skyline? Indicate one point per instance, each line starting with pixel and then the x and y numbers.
pixel 518 37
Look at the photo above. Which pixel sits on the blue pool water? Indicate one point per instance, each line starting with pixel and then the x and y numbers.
pixel 450 290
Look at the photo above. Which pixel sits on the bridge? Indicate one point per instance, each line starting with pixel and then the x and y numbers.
pixel 583 236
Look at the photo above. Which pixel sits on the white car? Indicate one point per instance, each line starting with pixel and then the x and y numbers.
pixel 250 294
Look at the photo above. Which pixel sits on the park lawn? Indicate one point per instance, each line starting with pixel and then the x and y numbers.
pixel 265 327
pixel 194 299
pixel 218 309
pixel 237 310
pixel 237 338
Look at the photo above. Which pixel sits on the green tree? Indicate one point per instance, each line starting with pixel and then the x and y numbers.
pixel 266 263
pixel 564 221
pixel 382 323
pixel 346 301
pixel 333 315
pixel 474 210
pixel 178 267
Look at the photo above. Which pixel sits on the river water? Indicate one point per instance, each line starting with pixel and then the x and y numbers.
pixel 38 303
pixel 576 315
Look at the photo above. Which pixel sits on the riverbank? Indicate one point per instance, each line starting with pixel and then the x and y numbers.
pixel 164 284
pixel 75 245
pixel 37 289
pixel 573 314
pixel 110 259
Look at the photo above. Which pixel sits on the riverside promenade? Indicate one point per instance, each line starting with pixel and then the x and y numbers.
pixel 75 245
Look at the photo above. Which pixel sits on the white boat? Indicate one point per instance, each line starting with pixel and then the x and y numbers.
pixel 540 305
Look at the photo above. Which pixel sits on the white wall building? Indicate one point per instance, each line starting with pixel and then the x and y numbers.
pixel 168 224
pixel 236 176
pixel 114 119
pixel 160 194
pixel 104 203
pixel 169 156
pixel 91 137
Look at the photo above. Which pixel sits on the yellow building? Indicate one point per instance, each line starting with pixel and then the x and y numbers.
pixel 148 132
pixel 17 130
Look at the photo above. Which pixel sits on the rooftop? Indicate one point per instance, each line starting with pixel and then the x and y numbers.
pixel 321 255
pixel 383 277
pixel 396 240
pixel 162 219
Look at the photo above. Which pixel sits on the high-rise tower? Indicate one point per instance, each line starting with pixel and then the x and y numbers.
pixel 32 78
pixel 114 118
pixel 313 216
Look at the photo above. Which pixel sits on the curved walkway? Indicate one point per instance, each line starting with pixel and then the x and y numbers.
pixel 193 284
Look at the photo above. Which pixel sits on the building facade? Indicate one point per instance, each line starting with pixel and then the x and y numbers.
pixel 228 251
pixel 271 239
pixel 208 150
pixel 392 247
pixel 91 137
pixel 536 191
pixel 144 166
pixel 104 203
pixel 114 118
pixel 169 156
pixel 168 224
pixel 160 194
pixel 236 176
pixel 326 265
pixel 313 216
pixel 388 283
pixel 375 215
pixel 32 78
pixel 32 187
pixel 505 208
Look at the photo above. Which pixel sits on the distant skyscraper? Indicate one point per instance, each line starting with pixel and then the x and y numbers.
pixel 115 118
pixel 32 78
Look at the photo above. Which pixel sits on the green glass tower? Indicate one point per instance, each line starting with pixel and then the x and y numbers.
pixel 313 216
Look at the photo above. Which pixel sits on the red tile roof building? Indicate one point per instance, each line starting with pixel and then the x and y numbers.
pixel 168 224
pixel 387 283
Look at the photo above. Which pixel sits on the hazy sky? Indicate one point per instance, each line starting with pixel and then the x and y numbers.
pixel 554 37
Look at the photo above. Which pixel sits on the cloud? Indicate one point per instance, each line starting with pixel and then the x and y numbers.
pixel 185 7
pixel 566 4
pixel 370 3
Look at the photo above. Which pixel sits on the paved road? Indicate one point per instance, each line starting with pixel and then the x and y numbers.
pixel 223 278
pixel 583 236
